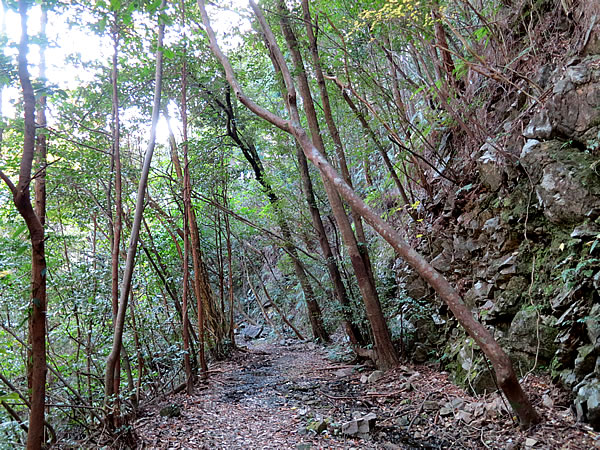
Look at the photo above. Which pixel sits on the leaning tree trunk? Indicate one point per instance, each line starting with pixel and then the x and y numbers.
pixel 384 354
pixel 505 374
pixel 250 153
pixel 113 357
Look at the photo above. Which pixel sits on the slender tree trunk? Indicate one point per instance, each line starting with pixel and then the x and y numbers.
pixel 260 304
pixel 505 374
pixel 22 201
pixel 279 311
pixel 113 357
pixel 118 213
pixel 251 155
pixel 138 351
pixel 384 352
pixel 189 378
pixel 229 276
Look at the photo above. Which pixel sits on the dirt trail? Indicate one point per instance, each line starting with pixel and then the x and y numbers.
pixel 266 398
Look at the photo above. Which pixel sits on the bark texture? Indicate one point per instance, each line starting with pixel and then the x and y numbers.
pixel 504 371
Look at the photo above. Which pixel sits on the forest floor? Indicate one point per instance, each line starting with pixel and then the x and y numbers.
pixel 270 396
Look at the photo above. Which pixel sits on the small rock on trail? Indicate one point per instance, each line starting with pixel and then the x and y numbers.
pixel 289 397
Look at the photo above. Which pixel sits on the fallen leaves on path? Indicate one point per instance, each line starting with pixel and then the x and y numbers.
pixel 292 397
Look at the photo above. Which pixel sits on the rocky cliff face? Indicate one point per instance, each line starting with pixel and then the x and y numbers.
pixel 522 242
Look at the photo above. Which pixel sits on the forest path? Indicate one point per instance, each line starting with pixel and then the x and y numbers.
pixel 266 398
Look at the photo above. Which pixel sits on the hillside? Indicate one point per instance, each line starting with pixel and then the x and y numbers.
pixel 270 221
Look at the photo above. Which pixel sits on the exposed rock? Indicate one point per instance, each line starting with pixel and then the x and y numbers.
pixel 586 231
pixel 420 354
pixel 592 324
pixel 530 442
pixel 346 372
pixel 507 301
pixel 539 127
pixel 441 262
pixel 573 107
pixel 491 225
pixel 251 332
pixel 375 376
pixel 360 424
pixel 479 291
pixel 491 166
pixel 566 186
pixel 587 403
pixel 417 288
pixel 523 335
pixel 586 360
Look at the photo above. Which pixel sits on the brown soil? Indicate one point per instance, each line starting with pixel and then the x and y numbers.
pixel 266 397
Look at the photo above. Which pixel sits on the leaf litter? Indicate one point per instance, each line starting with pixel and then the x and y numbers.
pixel 290 396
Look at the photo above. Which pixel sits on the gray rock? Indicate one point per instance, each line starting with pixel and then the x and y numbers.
pixel 522 339
pixel 586 360
pixel 587 402
pixel 417 288
pixel 507 301
pixel 529 147
pixel 375 376
pixel 346 372
pixel 420 354
pixel 252 332
pixel 350 428
pixel 491 167
pixel 539 127
pixel 478 292
pixel 566 186
pixel 578 74
pixel 359 425
pixel 568 378
pixel 592 324
pixel 573 107
pixel 491 225
pixel 588 230
pixel 441 262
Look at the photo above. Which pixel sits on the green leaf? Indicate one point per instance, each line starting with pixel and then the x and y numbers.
pixel 168 53
pixel 18 231
pixel 163 18
pixel 115 5
pixel 13 396
pixel 153 6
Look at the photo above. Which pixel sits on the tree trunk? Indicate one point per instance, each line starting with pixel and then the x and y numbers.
pixel 504 372
pixel 117 222
pixel 384 352
pixel 189 379
pixel 251 155
pixel 229 275
pixel 113 357
pixel 22 200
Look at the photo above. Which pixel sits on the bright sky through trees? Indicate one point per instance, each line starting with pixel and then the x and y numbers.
pixel 69 35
